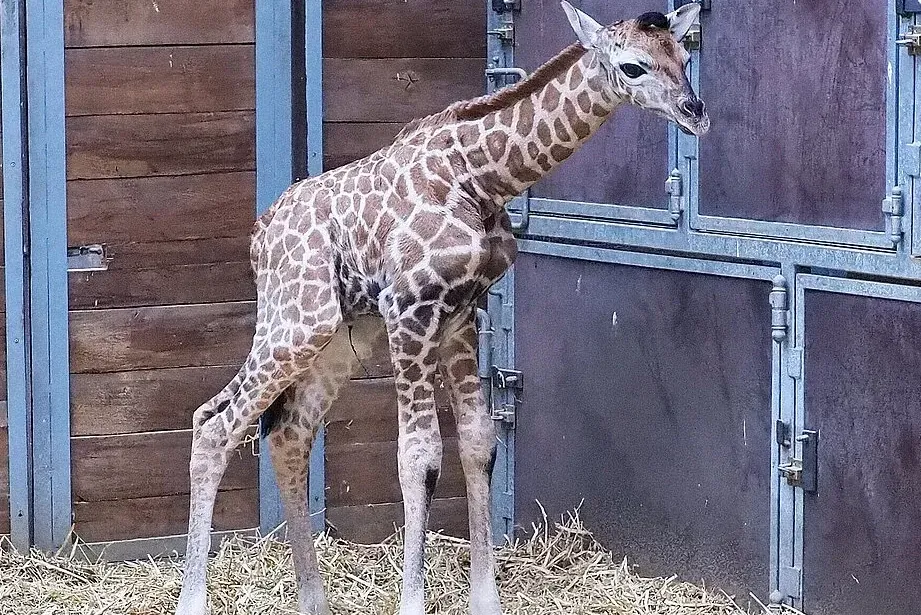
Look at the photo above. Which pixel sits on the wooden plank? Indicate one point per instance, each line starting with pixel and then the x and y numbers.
pixel 178 253
pixel 344 142
pixel 366 473
pixel 143 400
pixel 160 79
pixel 378 365
pixel 107 468
pixel 404 29
pixel 161 516
pixel 163 336
pixel 109 146
pixel 91 23
pixel 397 90
pixel 366 411
pixel 117 288
pixel 372 523
pixel 168 208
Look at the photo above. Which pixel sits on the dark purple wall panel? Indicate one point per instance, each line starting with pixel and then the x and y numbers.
pixel 862 532
pixel 796 93
pixel 626 163
pixel 660 422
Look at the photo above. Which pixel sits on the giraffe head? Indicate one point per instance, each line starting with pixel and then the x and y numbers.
pixel 644 61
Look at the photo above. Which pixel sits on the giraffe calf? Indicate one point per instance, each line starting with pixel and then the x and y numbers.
pixel 402 243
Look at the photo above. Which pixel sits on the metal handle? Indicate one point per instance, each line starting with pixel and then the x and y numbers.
pixel 513 70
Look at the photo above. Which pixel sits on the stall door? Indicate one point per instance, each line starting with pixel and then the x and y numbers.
pixel 861 522
pixel 160 198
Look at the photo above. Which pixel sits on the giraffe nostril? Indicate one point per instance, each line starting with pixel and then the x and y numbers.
pixel 693 106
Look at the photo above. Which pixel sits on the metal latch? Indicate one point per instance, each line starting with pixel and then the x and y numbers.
pixel 87 258
pixel 912 40
pixel 893 210
pixel 675 191
pixel 507 378
pixel 505 33
pixel 692 38
pixel 803 472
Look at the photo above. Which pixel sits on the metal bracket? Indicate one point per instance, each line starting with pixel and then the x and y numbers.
pixel 87 258
pixel 510 379
pixel 893 210
pixel 803 472
pixel 911 40
pixel 783 433
pixel 780 315
pixel 674 187
pixel 692 39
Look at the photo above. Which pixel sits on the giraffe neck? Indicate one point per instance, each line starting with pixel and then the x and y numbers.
pixel 528 139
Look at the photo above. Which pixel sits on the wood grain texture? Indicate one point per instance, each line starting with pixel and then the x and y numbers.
pixel 96 23
pixel 110 146
pixel 344 142
pixel 142 400
pixel 176 285
pixel 149 209
pixel 178 253
pixel 156 337
pixel 182 79
pixel 161 516
pixel 106 468
pixel 401 29
pixel 366 411
pixel 366 473
pixel 372 523
pixel 397 90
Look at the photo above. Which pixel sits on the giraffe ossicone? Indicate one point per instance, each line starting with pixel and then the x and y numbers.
pixel 401 244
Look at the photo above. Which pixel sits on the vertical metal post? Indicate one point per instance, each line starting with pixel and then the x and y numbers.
pixel 313 65
pixel 15 200
pixel 274 170
pixel 48 284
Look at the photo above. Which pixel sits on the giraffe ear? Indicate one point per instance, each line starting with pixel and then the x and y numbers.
pixel 681 20
pixel 584 26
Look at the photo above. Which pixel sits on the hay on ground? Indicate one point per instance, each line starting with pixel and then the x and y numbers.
pixel 558 570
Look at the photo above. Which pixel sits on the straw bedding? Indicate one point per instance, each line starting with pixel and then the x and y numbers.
pixel 558 570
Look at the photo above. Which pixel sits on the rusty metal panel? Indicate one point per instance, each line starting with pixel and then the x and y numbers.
pixel 626 162
pixel 648 395
pixel 862 529
pixel 790 142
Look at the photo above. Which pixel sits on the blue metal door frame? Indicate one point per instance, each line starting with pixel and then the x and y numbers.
pixel 277 166
pixel 36 283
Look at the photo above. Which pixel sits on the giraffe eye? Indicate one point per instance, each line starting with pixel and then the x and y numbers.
pixel 633 71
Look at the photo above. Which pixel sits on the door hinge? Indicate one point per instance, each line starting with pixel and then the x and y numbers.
pixel 795 366
pixel 790 584
pixel 674 187
pixel 780 315
pixel 893 210
pixel 802 471
pixel 87 258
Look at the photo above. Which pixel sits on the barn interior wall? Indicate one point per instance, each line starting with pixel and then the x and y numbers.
pixel 386 62
pixel 160 103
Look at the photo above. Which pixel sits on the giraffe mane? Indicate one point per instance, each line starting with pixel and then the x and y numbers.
pixel 477 108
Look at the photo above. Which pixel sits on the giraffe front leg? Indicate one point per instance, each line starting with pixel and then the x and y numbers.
pixel 419 455
pixel 477 443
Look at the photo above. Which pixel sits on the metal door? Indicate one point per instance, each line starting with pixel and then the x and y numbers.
pixel 804 190
pixel 859 391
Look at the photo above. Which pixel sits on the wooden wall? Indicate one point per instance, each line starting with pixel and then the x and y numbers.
pixel 386 62
pixel 160 100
